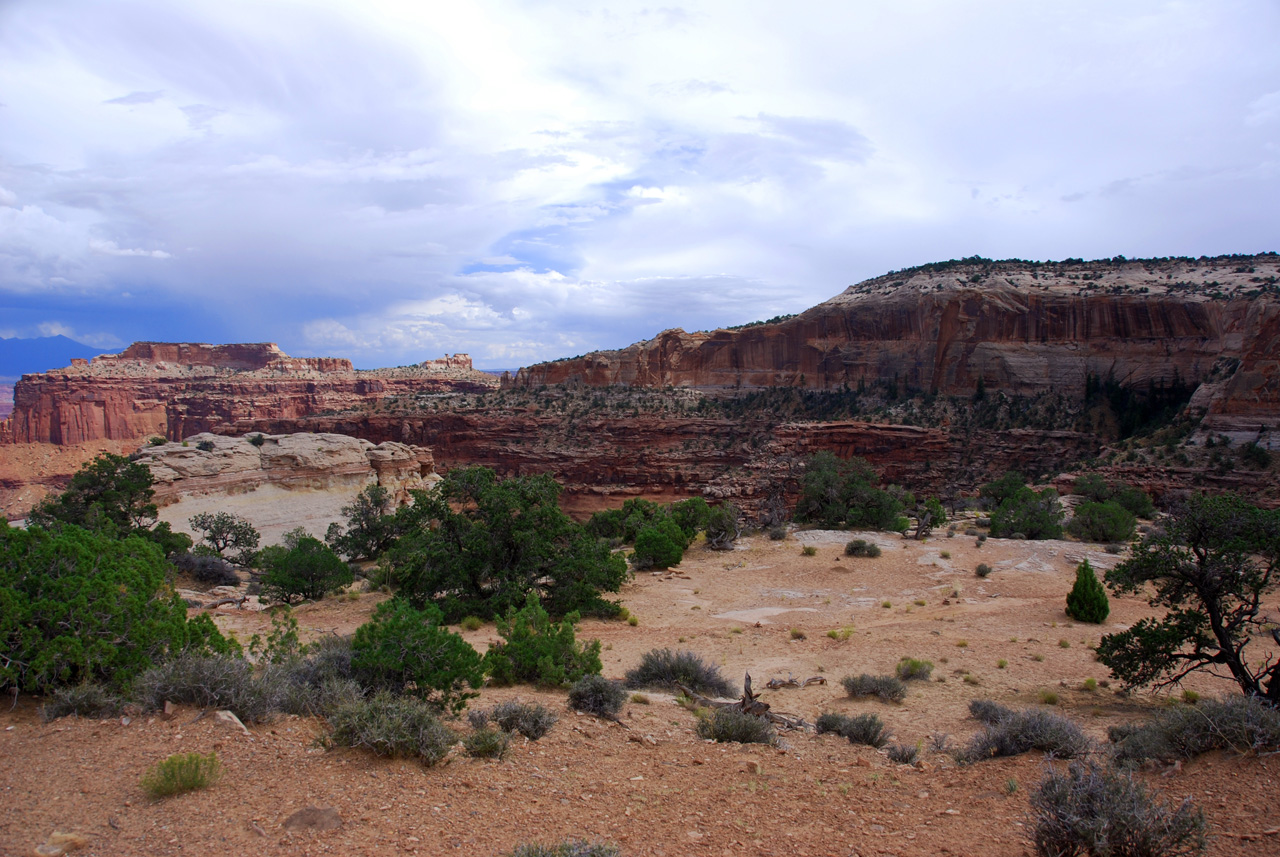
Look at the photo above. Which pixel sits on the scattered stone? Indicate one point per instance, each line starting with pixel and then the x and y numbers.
pixel 228 719
pixel 169 710
pixel 314 818
pixel 753 767
pixel 861 763
pixel 60 843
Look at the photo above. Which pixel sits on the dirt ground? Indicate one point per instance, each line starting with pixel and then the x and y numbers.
pixel 653 787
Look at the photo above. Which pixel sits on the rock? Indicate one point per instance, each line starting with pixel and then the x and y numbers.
pixel 60 843
pixel 169 710
pixel 229 720
pixel 753 767
pixel 314 818
pixel 176 389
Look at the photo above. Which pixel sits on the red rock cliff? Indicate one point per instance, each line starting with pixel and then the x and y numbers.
pixel 1021 327
pixel 175 390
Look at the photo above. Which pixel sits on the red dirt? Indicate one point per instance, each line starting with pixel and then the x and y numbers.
pixel 590 779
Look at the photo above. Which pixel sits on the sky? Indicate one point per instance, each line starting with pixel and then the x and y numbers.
pixel 520 181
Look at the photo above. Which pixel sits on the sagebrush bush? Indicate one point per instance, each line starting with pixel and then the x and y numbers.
pixel 778 532
pixel 181 772
pixel 1023 731
pixel 94 701
pixel 321 680
pixel 884 686
pixel 598 695
pixel 1239 723
pixel 665 669
pixel 904 754
pixel 858 729
pixel 212 681
pixel 528 718
pixel 567 848
pixel 209 570
pixel 535 650
pixel 914 669
pixel 1093 810
pixel 733 725
pixel 861 547
pixel 405 650
pixel 396 726
pixel 487 743
pixel 988 712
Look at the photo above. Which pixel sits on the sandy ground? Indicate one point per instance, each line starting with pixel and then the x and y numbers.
pixel 654 787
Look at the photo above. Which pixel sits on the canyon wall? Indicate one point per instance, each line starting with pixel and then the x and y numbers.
pixel 1021 327
pixel 175 390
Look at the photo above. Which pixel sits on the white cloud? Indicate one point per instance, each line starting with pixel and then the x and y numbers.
pixel 109 248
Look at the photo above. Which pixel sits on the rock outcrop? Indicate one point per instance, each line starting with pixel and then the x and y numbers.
pixel 288 480
pixel 175 390
pixel 1021 327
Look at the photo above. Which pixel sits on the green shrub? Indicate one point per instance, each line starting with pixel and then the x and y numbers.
pixel 909 669
pixel 396 726
pixel 205 446
pixel 1135 500
pixel 302 569
pixel 1087 600
pixel 1029 514
pixel 212 681
pixel 884 686
pixel 692 516
pixel 733 725
pixel 567 848
pixel 529 719
pixel 659 545
pixel 94 701
pixel 809 550
pixel 487 743
pixel 1090 809
pixel 836 492
pixel 478 545
pixel 665 669
pixel 724 525
pixel 861 547
pixel 472 623
pixel 597 695
pixel 257 439
pixel 181 772
pixel 1242 724
pixel 79 606
pixel 535 650
pixel 1102 522
pixel 227 535
pixel 1023 731
pixel 982 570
pixel 405 650
pixel 371 526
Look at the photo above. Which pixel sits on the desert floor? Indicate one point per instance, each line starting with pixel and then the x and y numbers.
pixel 653 787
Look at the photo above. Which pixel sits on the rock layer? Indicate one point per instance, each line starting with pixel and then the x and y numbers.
pixel 1021 327
pixel 175 390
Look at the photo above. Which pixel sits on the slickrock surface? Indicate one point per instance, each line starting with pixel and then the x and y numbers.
pixel 288 481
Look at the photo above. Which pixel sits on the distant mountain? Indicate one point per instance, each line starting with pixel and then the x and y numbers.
pixel 23 356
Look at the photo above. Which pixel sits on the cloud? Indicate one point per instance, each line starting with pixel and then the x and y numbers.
pixel 522 180
pixel 137 98
pixel 109 248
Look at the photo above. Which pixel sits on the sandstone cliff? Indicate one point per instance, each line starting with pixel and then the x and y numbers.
pixel 289 480
pixel 175 390
pixel 1020 327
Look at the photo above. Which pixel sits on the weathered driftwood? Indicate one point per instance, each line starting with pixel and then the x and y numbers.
pixel 779 683
pixel 750 703
pixel 239 601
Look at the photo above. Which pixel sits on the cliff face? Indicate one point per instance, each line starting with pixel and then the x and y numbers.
pixel 287 481
pixel 175 390
pixel 602 460
pixel 1019 327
